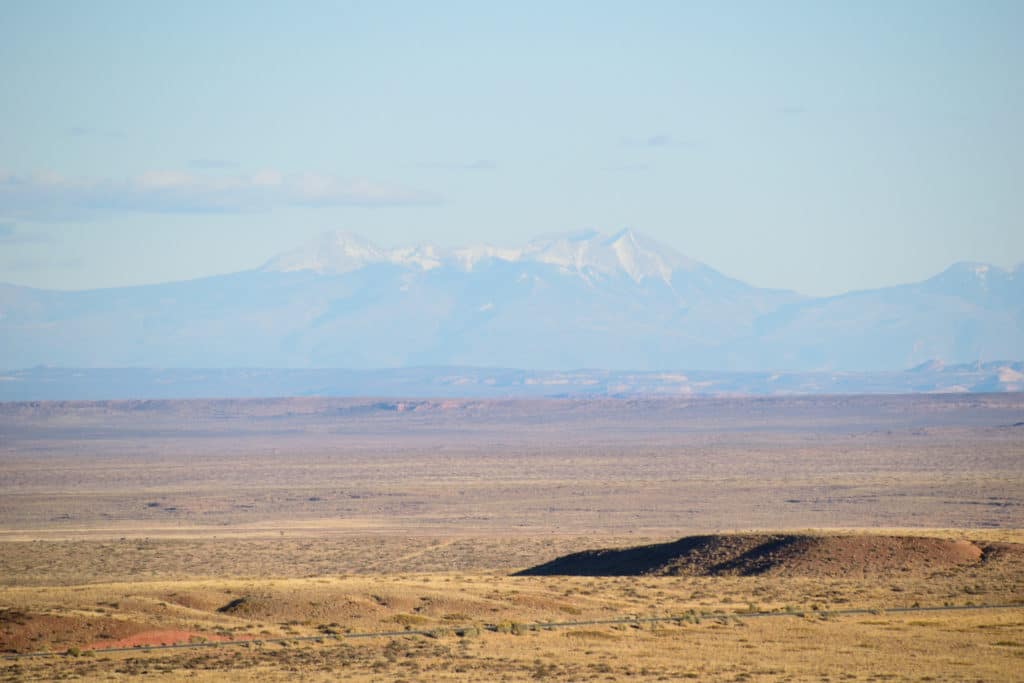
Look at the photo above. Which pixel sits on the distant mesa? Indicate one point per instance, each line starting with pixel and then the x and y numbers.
pixel 780 554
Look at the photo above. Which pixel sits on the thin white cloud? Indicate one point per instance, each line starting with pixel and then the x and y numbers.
pixel 627 167
pixel 662 140
pixel 208 164
pixel 478 165
pixel 90 132
pixel 45 196
pixel 36 264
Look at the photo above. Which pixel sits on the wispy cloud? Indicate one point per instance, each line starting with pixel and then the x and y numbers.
pixel 627 167
pixel 656 140
pixel 90 132
pixel 36 264
pixel 478 165
pixel 210 164
pixel 44 196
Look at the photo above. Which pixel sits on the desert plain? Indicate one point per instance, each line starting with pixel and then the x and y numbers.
pixel 868 538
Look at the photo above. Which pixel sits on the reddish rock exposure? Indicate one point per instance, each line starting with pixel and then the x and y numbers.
pixel 161 637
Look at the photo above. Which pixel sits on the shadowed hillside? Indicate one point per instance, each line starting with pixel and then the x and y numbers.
pixel 781 554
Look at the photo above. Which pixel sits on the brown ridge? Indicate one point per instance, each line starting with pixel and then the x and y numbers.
pixel 779 554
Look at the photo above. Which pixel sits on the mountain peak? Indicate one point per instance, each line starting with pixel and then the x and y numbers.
pixel 626 251
pixel 587 253
pixel 975 268
pixel 972 273
pixel 331 253
pixel 624 234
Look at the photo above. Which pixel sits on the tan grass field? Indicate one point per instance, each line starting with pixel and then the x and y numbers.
pixel 294 524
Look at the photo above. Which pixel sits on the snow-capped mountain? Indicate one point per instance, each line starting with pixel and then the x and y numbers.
pixel 561 302
pixel 592 253
pixel 335 253
pixel 589 253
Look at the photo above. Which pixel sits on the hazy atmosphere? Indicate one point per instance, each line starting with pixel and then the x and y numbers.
pixel 511 341
pixel 816 147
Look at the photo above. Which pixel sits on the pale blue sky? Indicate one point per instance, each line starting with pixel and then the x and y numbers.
pixel 819 146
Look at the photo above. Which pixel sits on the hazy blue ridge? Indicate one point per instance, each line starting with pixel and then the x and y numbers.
pixel 622 303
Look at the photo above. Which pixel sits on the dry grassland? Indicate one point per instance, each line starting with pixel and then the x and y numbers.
pixel 714 646
pixel 293 524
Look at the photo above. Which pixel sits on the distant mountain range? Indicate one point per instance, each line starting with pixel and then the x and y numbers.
pixel 619 302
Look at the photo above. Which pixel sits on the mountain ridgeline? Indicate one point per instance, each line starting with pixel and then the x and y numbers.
pixel 559 303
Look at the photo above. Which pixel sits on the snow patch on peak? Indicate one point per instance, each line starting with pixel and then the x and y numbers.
pixel 627 252
pixel 973 268
pixel 642 260
pixel 976 274
pixel 588 254
pixel 468 257
pixel 426 256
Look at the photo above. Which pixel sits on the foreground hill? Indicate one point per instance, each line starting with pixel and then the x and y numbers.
pixel 783 554
pixel 563 302
pixel 481 626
